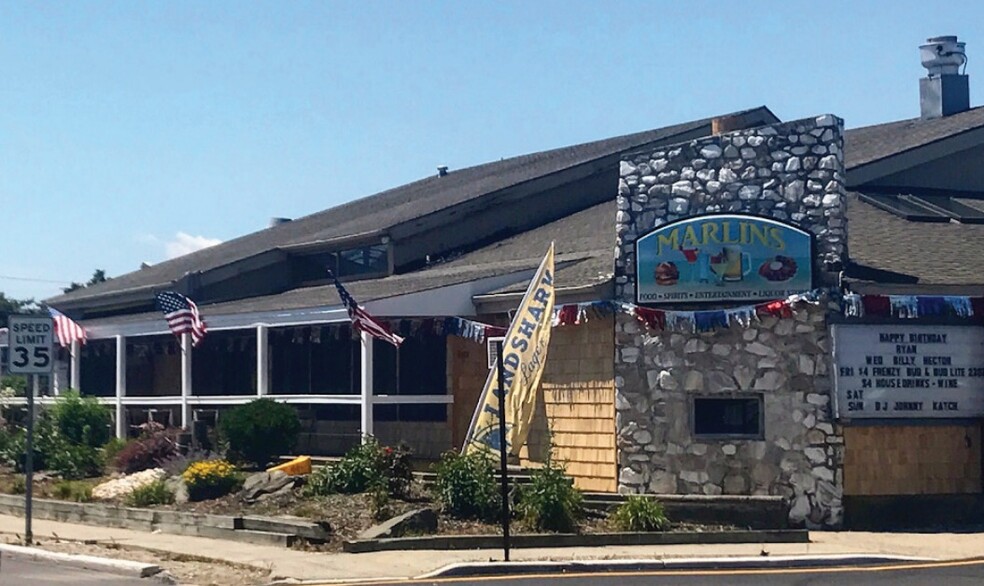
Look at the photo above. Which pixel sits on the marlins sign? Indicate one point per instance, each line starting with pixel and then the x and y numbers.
pixel 524 354
pixel 723 257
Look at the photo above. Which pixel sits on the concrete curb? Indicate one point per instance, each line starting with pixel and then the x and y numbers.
pixel 455 542
pixel 722 563
pixel 88 562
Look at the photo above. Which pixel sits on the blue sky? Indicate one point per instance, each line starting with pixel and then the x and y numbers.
pixel 131 131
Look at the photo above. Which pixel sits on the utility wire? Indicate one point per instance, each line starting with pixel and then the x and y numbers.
pixel 12 278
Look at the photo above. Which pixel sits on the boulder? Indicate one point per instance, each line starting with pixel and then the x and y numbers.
pixel 416 522
pixel 265 484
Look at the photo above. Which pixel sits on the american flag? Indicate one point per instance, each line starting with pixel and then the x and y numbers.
pixel 182 315
pixel 361 320
pixel 66 330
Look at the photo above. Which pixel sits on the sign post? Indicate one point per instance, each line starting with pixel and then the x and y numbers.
pixel 31 340
pixel 503 460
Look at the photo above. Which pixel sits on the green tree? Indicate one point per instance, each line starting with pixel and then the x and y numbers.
pixel 98 276
pixel 9 305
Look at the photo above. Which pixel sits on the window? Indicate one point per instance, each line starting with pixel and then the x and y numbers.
pixel 728 416
pixel 419 367
pixel 366 260
pixel 314 360
pixel 363 261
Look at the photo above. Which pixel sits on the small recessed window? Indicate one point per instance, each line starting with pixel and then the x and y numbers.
pixel 728 417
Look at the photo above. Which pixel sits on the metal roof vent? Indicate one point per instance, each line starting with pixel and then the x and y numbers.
pixel 442 170
pixel 943 55
pixel 944 90
pixel 278 221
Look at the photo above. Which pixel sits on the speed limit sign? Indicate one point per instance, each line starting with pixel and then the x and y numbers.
pixel 31 339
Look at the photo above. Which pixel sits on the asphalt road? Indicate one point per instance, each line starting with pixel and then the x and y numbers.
pixel 946 574
pixel 17 571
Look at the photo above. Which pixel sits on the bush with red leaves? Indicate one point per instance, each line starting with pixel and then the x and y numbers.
pixel 146 452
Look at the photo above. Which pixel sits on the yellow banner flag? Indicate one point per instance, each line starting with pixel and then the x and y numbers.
pixel 524 354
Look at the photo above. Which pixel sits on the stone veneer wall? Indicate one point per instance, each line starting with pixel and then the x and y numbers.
pixel 791 172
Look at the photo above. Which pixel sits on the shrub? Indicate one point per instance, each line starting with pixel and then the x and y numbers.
pixel 550 501
pixel 362 468
pixel 155 493
pixel 16 382
pixel 366 467
pixel 260 430
pixel 639 513
pixel 73 490
pixel 74 461
pixel 396 468
pixel 46 441
pixel 145 452
pixel 379 501
pixel 466 487
pixel 112 449
pixel 82 420
pixel 210 479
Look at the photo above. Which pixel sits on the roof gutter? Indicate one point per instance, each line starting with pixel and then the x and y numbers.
pixel 503 302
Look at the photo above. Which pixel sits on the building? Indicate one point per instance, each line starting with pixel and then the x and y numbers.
pixel 644 390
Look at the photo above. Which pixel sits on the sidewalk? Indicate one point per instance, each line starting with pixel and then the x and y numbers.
pixel 301 565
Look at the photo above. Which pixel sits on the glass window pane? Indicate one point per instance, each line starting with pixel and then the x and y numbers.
pixel 728 416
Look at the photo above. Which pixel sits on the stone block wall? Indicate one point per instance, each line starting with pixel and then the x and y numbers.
pixel 792 172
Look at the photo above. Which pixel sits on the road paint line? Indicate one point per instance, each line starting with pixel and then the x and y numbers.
pixel 708 572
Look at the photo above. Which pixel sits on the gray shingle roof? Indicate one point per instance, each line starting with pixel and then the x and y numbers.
pixel 938 253
pixel 389 208
pixel 872 143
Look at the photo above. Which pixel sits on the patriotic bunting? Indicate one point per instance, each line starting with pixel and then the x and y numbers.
pixel 911 306
pixel 473 330
pixel 706 321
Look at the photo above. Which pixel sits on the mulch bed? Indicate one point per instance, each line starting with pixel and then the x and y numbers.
pixel 349 515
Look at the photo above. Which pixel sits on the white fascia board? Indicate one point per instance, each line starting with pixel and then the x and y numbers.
pixel 234 321
pixel 453 300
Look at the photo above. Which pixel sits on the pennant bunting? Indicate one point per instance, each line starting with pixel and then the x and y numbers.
pixel 911 306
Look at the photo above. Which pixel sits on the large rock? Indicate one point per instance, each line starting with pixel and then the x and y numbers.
pixel 265 484
pixel 413 522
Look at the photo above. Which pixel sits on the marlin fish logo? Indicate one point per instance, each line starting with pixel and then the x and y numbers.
pixel 489 436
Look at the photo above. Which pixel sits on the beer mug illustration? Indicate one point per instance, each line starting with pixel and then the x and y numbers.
pixel 736 264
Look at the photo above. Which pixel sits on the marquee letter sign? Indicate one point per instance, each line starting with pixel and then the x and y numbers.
pixel 723 257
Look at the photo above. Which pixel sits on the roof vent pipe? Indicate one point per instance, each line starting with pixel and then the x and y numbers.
pixel 442 170
pixel 278 221
pixel 944 90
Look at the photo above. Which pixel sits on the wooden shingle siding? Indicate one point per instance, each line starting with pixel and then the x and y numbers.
pixel 576 406
pixel 912 460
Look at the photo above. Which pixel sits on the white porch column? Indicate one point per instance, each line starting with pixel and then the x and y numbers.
pixel 120 386
pixel 262 360
pixel 366 398
pixel 185 379
pixel 75 376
